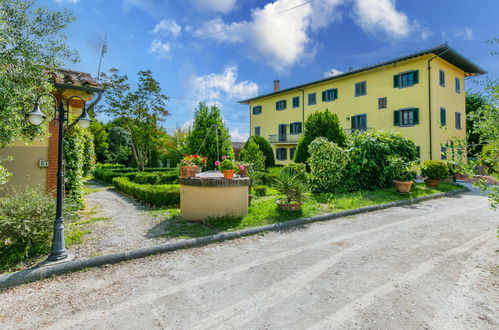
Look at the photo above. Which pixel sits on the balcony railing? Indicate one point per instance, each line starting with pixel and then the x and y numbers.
pixel 284 138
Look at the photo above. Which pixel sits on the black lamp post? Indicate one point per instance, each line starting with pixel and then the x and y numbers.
pixel 36 117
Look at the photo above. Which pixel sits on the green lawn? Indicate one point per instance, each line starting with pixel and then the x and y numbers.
pixel 263 210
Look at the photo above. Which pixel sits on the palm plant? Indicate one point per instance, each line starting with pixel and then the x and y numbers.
pixel 290 184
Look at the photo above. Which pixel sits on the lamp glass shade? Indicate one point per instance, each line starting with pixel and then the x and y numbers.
pixel 84 123
pixel 36 117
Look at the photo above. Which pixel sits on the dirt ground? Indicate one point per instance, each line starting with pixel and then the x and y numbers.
pixel 431 265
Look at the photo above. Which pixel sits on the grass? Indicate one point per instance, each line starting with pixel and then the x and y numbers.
pixel 91 220
pixel 263 210
pixel 75 236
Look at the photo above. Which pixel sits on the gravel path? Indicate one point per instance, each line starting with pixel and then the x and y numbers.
pixel 127 225
pixel 426 266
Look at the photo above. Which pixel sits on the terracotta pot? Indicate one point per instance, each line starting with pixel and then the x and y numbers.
pixel 229 174
pixel 283 205
pixel 430 183
pixel 188 171
pixel 403 186
pixel 244 172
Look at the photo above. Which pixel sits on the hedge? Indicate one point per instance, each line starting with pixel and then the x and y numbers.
pixel 109 166
pixel 156 195
pixel 150 175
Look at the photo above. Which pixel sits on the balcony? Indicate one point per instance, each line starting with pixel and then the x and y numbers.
pixel 284 138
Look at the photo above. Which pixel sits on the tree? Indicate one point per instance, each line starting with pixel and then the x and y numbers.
pixel 101 141
pixel 474 101
pixel 176 147
pixel 139 111
pixel 120 149
pixel 264 147
pixel 319 124
pixel 204 139
pixel 253 155
pixel 31 43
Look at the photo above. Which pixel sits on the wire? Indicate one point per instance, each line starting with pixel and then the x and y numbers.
pixel 223 31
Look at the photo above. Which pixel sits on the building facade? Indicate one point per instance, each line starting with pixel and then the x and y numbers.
pixel 35 164
pixel 421 95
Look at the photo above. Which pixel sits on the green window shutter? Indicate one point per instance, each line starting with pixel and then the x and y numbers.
pixel 335 93
pixel 396 81
pixel 396 118
pixel 324 96
pixel 415 76
pixel 277 105
pixel 443 117
pixel 415 116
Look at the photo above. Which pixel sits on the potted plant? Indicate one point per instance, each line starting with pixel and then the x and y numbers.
pixel 291 185
pixel 434 171
pixel 188 167
pixel 403 174
pixel 199 161
pixel 227 167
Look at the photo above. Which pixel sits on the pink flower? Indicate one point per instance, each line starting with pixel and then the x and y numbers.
pixel 241 167
pixel 217 163
pixel 224 157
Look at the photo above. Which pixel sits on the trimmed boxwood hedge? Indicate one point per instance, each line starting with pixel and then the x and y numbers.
pixel 159 176
pixel 156 195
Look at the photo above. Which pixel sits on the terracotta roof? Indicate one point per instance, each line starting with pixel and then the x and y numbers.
pixel 70 78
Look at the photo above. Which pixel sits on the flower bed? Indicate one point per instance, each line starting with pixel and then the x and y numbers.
pixel 155 195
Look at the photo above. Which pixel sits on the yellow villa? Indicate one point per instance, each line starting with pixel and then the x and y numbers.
pixel 422 95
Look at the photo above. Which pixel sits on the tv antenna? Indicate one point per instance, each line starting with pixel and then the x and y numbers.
pixel 103 52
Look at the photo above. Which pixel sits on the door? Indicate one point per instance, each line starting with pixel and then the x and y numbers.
pixel 282 132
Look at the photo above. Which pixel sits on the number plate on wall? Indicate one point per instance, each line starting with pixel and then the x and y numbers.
pixel 43 163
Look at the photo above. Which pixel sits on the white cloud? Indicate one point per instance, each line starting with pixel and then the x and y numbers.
pixel 212 87
pixel 332 72
pixel 237 136
pixel 167 27
pixel 376 16
pixel 466 33
pixel 160 48
pixel 219 6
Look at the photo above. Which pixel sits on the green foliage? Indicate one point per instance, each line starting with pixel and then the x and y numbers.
pixel 149 175
pixel 489 157
pixel 156 195
pixel 88 153
pixel 290 184
pixel 474 102
pixel 74 159
pixel 31 42
pixel 109 166
pixel 319 124
pixel 264 147
pixel 327 166
pixel 120 150
pixel 203 138
pixel 402 170
pixel 259 191
pixel 138 111
pixel 101 141
pixel 369 158
pixel 434 169
pixel 299 169
pixel 252 154
pixel 4 174
pixel 227 165
pixel 26 224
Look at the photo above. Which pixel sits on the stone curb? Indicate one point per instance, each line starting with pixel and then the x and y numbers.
pixel 38 273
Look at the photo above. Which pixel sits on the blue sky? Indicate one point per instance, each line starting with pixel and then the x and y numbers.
pixel 222 51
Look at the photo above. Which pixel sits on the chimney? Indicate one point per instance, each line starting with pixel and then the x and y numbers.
pixel 276 86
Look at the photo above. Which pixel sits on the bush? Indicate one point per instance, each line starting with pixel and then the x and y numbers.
pixel 319 124
pixel 109 166
pixel 26 225
pixel 264 147
pixel 162 175
pixel 156 195
pixel 434 169
pixel 290 184
pixel 253 155
pixel 259 191
pixel 369 154
pixel 327 166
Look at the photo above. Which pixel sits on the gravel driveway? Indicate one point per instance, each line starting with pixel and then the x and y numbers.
pixel 427 266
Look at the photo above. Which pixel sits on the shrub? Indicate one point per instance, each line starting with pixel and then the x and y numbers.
pixel 319 124
pixel 264 147
pixel 401 170
pixel 163 175
pixel 434 169
pixel 109 166
pixel 156 195
pixel 291 185
pixel 369 155
pixel 26 225
pixel 253 155
pixel 259 191
pixel 298 168
pixel 327 166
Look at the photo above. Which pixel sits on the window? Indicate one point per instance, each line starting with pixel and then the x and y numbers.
pixel 312 99
pixel 281 153
pixel 257 131
pixel 406 79
pixel 330 95
pixel 458 85
pixel 296 102
pixel 443 151
pixel 280 105
pixel 458 120
pixel 295 128
pixel 360 88
pixel 282 132
pixel 443 117
pixel 382 103
pixel 442 78
pixel 292 153
pixel 257 110
pixel 406 117
pixel 359 123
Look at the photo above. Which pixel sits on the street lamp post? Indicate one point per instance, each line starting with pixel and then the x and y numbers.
pixel 36 117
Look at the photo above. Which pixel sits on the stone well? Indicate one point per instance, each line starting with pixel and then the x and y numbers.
pixel 201 198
